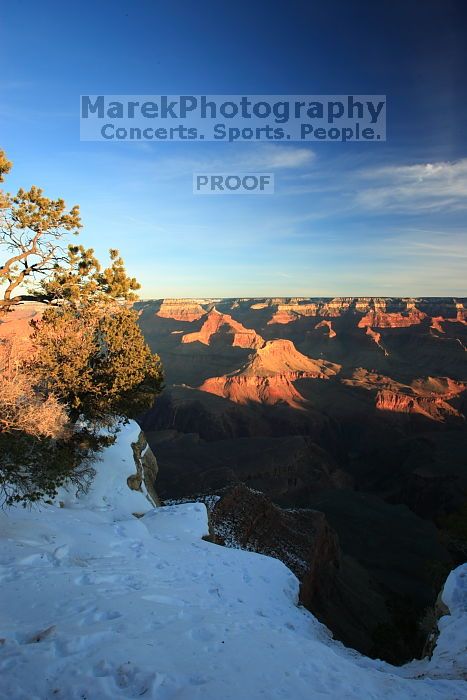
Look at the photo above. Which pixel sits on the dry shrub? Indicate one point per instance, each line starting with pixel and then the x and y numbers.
pixel 23 407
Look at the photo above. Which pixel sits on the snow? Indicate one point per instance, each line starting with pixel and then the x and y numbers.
pixel 109 490
pixel 97 604
pixel 449 658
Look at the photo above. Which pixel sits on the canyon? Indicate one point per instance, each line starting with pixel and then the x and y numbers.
pixel 352 408
pixel 334 440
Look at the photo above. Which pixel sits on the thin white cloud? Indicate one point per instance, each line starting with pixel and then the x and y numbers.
pixel 253 158
pixel 278 157
pixel 421 188
pixel 242 157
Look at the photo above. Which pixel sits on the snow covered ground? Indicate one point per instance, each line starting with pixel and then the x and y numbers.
pixel 96 604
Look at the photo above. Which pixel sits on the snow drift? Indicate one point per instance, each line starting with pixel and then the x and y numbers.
pixel 98 605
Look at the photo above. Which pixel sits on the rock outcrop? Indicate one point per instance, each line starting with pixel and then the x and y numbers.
pixel 335 307
pixel 331 333
pixel 269 374
pixel 436 408
pixel 428 397
pixel 461 313
pixel 302 539
pixel 146 470
pixel 286 313
pixel 376 338
pixel 282 357
pixel 181 309
pixel 379 319
pixel 436 322
pixel 216 324
pixel 283 316
pixel 242 389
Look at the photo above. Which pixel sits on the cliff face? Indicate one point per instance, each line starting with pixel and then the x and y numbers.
pixel 144 479
pixel 375 311
pixel 335 307
pixel 267 390
pixel 369 312
pixel 302 539
pixel 428 397
pixel 286 313
pixel 435 408
pixel 181 309
pixel 379 319
pixel 332 586
pixel 461 313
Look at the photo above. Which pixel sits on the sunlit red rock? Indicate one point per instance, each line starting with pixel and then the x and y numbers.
pixel 286 313
pixel 365 304
pixel 436 408
pixel 379 319
pixel 336 306
pixel 283 317
pixel 427 396
pixel 327 324
pixel 376 337
pixel 269 374
pixel 461 316
pixel 438 386
pixel 436 324
pixel 216 323
pixel 181 309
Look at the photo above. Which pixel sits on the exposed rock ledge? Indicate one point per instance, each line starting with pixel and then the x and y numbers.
pixel 302 539
pixel 146 470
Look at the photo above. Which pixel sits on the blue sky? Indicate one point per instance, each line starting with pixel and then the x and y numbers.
pixel 346 219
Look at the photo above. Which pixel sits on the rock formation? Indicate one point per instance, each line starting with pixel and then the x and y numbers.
pixel 217 323
pixel 365 304
pixel 283 316
pixel 335 307
pixel 396 402
pixel 146 470
pixel 461 315
pixel 181 309
pixel 428 397
pixel 269 374
pixel 376 337
pixel 302 539
pixel 379 319
pixel 436 322
pixel 327 324
pixel 286 313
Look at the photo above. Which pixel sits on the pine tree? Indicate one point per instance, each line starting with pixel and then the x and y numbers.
pixel 89 362
pixel 96 360
pixel 32 228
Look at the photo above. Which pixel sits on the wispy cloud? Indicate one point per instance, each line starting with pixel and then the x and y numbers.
pixel 420 188
pixel 279 157
pixel 242 157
